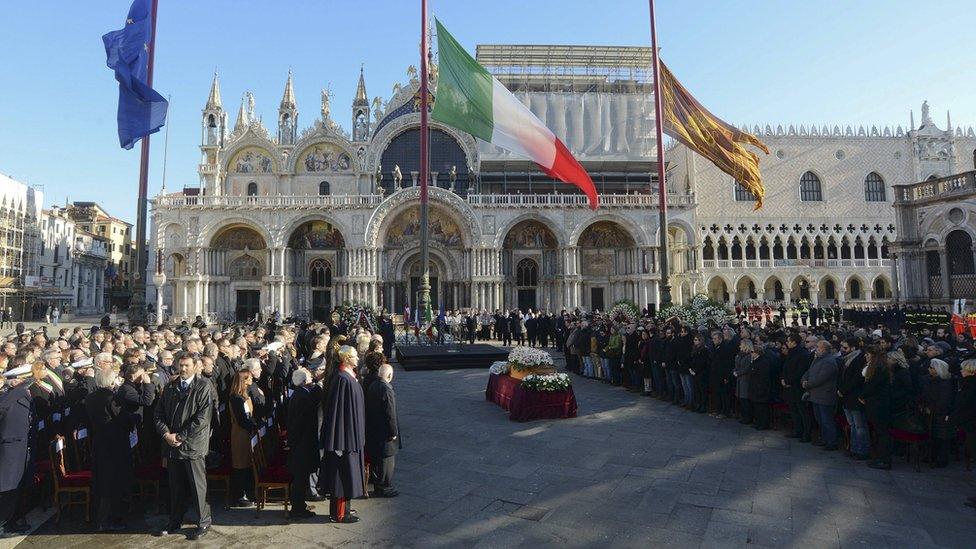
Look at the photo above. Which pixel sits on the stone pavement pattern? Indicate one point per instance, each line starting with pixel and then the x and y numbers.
pixel 629 472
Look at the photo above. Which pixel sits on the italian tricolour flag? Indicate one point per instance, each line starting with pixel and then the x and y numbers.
pixel 472 100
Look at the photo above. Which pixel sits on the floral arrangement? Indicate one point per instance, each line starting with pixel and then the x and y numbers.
pixel 547 382
pixel 499 368
pixel 354 312
pixel 702 311
pixel 624 312
pixel 527 358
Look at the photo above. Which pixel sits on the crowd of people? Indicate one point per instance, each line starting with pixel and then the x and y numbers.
pixel 309 406
pixel 872 382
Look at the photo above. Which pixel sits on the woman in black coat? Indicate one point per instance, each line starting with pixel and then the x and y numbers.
pixel 937 399
pixel 110 425
pixel 698 365
pixel 760 389
pixel 876 397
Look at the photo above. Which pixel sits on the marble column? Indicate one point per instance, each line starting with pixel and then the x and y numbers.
pixel 944 269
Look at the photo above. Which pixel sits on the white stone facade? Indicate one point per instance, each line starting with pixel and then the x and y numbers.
pixel 841 242
pixel 935 255
pixel 56 266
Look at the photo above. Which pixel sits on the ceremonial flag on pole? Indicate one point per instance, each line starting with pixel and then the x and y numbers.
pixel 142 111
pixel 472 100
pixel 686 120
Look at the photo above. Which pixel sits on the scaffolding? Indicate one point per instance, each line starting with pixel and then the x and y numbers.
pixel 617 69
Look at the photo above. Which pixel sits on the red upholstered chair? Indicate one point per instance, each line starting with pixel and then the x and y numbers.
pixel 777 411
pixel 267 478
pixel 81 448
pixel 68 483
pixel 841 421
pixel 966 454
pixel 149 471
pixel 221 475
pixel 914 442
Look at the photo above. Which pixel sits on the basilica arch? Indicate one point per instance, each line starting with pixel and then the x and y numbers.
pixel 609 264
pixel 313 257
pixel 530 264
pixel 450 239
pixel 239 259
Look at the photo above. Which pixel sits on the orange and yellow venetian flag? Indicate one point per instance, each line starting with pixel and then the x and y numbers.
pixel 686 120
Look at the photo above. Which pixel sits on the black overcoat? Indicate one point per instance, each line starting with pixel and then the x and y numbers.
pixel 343 437
pixel 303 429
pixel 16 430
pixel 381 421
pixel 110 425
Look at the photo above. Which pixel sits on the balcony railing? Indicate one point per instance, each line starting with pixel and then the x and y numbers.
pixel 799 263
pixel 935 189
pixel 207 169
pixel 477 200
pixel 553 200
pixel 328 201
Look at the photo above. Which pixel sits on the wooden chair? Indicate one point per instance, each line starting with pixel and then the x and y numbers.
pixel 914 441
pixel 81 448
pixel 778 411
pixel 68 483
pixel 267 479
pixel 221 475
pixel 148 471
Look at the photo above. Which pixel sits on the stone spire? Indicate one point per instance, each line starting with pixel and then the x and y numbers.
pixel 288 99
pixel 213 101
pixel 361 99
pixel 242 115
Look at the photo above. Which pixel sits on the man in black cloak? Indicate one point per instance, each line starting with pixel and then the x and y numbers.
pixel 343 438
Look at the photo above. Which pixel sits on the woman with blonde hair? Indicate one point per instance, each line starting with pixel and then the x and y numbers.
pixel 242 426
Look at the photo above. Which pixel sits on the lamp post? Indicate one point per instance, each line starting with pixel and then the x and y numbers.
pixel 159 279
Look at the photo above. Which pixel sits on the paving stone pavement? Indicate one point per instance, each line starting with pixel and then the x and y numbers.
pixel 630 471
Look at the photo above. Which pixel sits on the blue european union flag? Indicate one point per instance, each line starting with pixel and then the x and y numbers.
pixel 142 110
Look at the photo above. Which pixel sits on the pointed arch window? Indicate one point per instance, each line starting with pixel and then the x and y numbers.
pixel 527 273
pixel 320 274
pixel 874 188
pixel 810 188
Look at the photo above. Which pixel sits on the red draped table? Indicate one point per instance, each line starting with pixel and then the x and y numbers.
pixel 525 404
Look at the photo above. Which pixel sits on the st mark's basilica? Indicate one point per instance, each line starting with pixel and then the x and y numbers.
pixel 301 219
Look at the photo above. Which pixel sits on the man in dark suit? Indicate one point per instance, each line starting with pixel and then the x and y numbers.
pixel 16 431
pixel 303 439
pixel 794 366
pixel 183 418
pixel 382 432
pixel 471 323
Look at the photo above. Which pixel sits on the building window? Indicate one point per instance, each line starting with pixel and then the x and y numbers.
pixel 252 189
pixel 959 253
pixel 324 188
pixel 810 188
pixel 320 274
pixel 527 273
pixel 742 194
pixel 855 289
pixel 874 188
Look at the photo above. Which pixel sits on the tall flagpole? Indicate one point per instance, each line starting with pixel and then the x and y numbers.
pixel 425 311
pixel 661 186
pixel 137 303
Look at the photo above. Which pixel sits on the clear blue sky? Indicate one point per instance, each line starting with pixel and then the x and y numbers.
pixel 755 61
